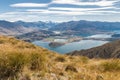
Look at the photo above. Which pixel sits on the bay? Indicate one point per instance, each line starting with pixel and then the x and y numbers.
pixel 83 44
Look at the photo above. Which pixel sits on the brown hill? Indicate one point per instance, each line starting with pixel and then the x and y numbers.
pixel 21 60
pixel 109 50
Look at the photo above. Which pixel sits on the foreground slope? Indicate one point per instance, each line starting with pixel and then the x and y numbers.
pixel 20 60
pixel 108 50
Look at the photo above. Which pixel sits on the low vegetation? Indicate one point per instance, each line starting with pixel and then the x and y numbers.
pixel 60 59
pixel 20 60
pixel 112 65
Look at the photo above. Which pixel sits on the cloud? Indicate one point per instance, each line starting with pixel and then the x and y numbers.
pixel 106 7
pixel 32 16
pixel 78 2
pixel 79 9
pixel 40 11
pixel 36 10
pixel 63 12
pixel 102 3
pixel 58 16
pixel 107 12
pixel 29 5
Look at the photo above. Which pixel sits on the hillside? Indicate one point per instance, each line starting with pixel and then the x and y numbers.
pixel 9 28
pixel 109 50
pixel 39 24
pixel 20 60
pixel 35 35
pixel 20 27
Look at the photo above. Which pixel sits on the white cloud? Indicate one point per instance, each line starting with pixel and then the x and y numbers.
pixel 79 9
pixel 102 3
pixel 64 1
pixel 33 13
pixel 24 16
pixel 108 12
pixel 29 5
pixel 36 10
pixel 47 15
pixel 77 2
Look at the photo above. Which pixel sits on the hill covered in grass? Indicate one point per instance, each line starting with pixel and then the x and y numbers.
pixel 20 60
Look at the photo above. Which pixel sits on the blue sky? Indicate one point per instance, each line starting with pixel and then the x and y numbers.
pixel 60 10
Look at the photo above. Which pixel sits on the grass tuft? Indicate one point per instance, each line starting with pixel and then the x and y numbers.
pixel 11 64
pixel 60 59
pixel 112 65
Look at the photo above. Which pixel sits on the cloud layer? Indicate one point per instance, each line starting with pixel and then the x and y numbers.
pixel 71 9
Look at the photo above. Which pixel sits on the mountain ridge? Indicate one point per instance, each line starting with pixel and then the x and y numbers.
pixel 108 50
pixel 84 26
pixel 20 27
pixel 71 27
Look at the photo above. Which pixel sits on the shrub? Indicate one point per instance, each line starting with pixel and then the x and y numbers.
pixel 11 65
pixel 1 41
pixel 37 61
pixel 71 68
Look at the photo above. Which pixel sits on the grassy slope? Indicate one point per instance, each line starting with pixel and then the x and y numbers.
pixel 20 60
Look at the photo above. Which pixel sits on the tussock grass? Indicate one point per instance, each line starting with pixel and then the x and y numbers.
pixel 71 68
pixel 111 65
pixel 11 64
pixel 36 61
pixel 15 55
pixel 21 60
pixel 60 59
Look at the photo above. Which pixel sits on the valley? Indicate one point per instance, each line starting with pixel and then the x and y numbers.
pixel 48 33
pixel 44 54
pixel 59 39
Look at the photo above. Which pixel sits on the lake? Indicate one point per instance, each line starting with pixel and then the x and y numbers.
pixel 83 44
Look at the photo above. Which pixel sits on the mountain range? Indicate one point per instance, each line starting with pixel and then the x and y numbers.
pixel 20 27
pixel 87 26
pixel 71 27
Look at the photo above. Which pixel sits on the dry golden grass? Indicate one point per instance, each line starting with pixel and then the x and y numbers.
pixel 21 60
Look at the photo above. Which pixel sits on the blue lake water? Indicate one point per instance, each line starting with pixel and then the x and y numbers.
pixel 83 44
pixel 117 31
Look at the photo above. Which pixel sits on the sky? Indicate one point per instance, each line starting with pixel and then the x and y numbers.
pixel 60 10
